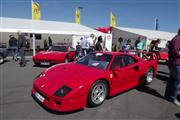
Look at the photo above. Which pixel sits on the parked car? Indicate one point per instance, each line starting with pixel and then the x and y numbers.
pixel 55 54
pixel 89 80
pixel 163 54
pixel 3 52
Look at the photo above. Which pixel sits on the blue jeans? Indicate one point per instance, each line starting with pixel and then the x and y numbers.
pixel 173 83
pixel 14 52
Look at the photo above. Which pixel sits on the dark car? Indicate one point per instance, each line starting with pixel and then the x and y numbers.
pixel 3 52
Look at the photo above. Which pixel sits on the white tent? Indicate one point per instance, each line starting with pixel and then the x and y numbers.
pixel 44 27
pixel 71 31
pixel 149 35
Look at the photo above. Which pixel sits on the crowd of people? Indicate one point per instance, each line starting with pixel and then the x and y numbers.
pixel 89 45
pixel 18 46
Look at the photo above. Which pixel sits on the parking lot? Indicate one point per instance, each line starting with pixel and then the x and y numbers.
pixel 139 103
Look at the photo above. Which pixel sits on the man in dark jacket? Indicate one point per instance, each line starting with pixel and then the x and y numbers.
pixel 22 46
pixel 173 83
pixel 13 44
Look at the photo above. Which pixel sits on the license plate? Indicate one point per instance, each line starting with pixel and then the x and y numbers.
pixel 45 63
pixel 39 97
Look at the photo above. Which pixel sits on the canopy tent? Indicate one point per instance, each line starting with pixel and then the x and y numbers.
pixel 73 30
pixel 44 27
pixel 148 35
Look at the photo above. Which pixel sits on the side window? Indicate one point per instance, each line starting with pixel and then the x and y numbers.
pixel 129 60
pixel 122 61
pixel 118 61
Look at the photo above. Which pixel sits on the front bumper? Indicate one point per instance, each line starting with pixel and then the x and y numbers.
pixel 39 61
pixel 61 105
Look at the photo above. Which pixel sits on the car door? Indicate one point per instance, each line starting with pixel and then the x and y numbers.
pixel 126 73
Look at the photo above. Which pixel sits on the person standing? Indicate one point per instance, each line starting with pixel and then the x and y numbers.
pixel 91 41
pixel 13 44
pixel 173 84
pixel 154 47
pixel 85 46
pixel 45 45
pixel 118 45
pixel 98 46
pixel 127 46
pixel 50 41
pixel 22 46
pixel 139 47
pixel 78 50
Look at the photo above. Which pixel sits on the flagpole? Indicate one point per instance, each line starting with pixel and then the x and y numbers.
pixel 33 35
pixel 111 18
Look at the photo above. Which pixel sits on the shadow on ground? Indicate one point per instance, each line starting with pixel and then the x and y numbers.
pixel 150 91
pixel 177 115
pixel 162 77
pixel 161 72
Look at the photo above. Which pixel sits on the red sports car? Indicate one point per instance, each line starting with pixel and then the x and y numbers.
pixel 55 54
pixel 89 80
pixel 163 54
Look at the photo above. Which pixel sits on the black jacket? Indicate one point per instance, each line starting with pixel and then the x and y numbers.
pixel 13 42
pixel 22 41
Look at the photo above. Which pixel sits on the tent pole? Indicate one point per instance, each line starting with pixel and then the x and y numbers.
pixel 34 50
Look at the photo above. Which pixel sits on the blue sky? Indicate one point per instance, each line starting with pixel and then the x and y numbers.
pixel 96 13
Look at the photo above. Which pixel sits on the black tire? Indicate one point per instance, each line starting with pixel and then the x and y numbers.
pixel 1 59
pixel 149 76
pixel 99 88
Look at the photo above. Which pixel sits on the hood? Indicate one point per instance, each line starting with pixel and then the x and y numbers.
pixel 49 54
pixel 72 75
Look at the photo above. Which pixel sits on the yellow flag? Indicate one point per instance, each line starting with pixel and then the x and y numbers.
pixel 36 13
pixel 78 16
pixel 113 20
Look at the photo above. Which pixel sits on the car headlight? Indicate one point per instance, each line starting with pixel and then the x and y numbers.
pixel 63 91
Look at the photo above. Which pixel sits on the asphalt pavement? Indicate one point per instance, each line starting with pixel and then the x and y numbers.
pixel 139 103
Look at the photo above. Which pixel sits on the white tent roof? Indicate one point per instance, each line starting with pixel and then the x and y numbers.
pixel 44 27
pixel 150 34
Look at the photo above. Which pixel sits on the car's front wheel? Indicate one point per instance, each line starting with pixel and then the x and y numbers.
pixel 97 93
pixel 1 59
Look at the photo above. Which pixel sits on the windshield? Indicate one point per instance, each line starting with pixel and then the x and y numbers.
pixel 58 48
pixel 97 60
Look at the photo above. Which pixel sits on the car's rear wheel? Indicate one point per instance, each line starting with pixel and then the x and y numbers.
pixel 1 59
pixel 149 76
pixel 97 93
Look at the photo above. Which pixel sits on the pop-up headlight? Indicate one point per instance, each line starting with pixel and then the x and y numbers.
pixel 63 91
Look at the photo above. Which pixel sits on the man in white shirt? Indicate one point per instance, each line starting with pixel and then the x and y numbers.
pixel 85 46
pixel 91 40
